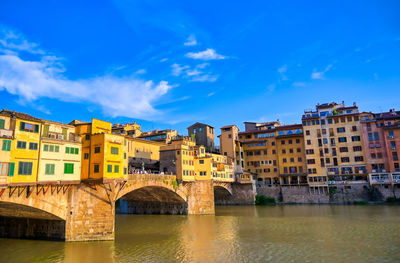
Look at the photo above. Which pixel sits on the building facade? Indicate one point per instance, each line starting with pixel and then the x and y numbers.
pixel 203 134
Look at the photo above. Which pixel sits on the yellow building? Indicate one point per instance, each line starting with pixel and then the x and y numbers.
pixel 164 136
pixel 203 164
pixel 6 140
pixel 60 153
pixel 260 157
pixel 143 154
pixel 103 155
pixel 23 166
pixel 130 129
pixel 291 155
pixel 178 158
pixel 333 144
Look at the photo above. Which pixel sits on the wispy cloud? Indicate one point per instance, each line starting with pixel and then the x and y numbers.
pixel 191 41
pixel 195 74
pixel 141 71
pixel 178 69
pixel 210 94
pixel 320 74
pixel 208 54
pixel 282 71
pixel 271 87
pixel 44 76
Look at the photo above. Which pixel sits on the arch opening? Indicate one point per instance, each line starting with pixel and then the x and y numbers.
pixel 152 200
pixel 222 196
pixel 21 221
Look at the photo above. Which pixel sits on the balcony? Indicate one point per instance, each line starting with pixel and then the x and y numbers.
pixel 56 136
pixel 6 133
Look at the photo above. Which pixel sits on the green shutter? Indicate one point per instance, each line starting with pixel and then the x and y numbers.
pixel 46 148
pixel 66 149
pixel 109 168
pixel 36 128
pixel 47 169
pixel 46 130
pixel 57 148
pixel 2 123
pixel 76 151
pixel 64 132
pixel 11 169
pixel 116 169
pixel 22 126
pixel 68 168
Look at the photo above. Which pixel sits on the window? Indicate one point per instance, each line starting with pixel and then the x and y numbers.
pixel 68 168
pixel 342 139
pixel 355 138
pixel 341 129
pixel 96 168
pixel 109 168
pixel 357 149
pixel 6 145
pixel 86 156
pixel 345 159
pixel 310 151
pixel 46 148
pixel 50 169
pixel 310 161
pixel 116 168
pixel 307 132
pixel 395 156
pixel 25 168
pixel 96 149
pixel 114 150
pixel 354 128
pixel 56 148
pixel 28 127
pixel 284 160
pixel 393 145
pixel 283 142
pixel 391 135
pixel 87 137
pixel 51 148
pixel 329 121
pixel 21 145
pixel 308 142
pixel 359 158
pixel 33 146
pixel 2 123
pixel 201 161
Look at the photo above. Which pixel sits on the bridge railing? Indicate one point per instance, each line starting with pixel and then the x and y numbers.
pixel 150 177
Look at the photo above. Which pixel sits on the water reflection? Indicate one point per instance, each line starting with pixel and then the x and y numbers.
pixel 235 234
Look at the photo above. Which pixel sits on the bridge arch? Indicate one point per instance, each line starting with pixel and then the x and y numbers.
pixel 222 193
pixel 152 199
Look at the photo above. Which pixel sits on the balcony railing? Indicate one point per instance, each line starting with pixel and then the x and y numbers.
pixel 60 137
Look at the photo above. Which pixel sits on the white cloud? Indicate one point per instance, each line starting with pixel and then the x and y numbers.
pixel 163 60
pixel 178 69
pixel 205 78
pixel 282 70
pixel 320 74
pixel 193 74
pixel 191 41
pixel 210 94
pixel 44 77
pixel 141 71
pixel 208 54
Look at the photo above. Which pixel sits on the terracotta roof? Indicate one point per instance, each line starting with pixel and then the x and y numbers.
pixel 19 115
pixel 227 126
pixel 200 124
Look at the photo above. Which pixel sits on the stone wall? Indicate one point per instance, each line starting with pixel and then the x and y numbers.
pixel 241 194
pixel 338 194
pixel 152 208
pixel 200 197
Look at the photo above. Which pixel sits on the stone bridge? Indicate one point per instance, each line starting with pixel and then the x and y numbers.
pixel 86 211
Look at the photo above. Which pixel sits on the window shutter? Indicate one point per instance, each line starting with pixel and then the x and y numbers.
pixel 76 151
pixel 22 126
pixel 11 169
pixel 46 130
pixel 2 123
pixel 4 145
pixel 36 128
pixel 66 149
pixel 47 169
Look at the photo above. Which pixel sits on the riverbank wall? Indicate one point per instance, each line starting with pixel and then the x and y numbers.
pixel 334 194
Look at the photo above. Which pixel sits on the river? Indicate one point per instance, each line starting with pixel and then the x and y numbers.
pixel 235 234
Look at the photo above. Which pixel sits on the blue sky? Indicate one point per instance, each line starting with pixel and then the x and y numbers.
pixel 168 64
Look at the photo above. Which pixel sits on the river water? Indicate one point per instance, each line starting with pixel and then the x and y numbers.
pixel 234 234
